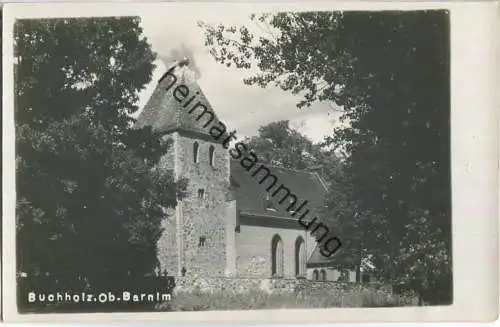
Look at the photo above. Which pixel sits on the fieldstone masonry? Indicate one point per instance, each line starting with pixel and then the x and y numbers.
pixel 270 285
pixel 200 215
pixel 253 244
pixel 167 244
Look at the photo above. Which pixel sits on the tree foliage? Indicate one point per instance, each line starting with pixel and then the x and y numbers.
pixel 389 74
pixel 89 198
pixel 277 143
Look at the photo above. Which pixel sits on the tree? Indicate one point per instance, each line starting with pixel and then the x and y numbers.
pixel 377 68
pixel 90 198
pixel 279 144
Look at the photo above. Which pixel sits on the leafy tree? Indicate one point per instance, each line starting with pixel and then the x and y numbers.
pixel 389 74
pixel 279 144
pixel 89 196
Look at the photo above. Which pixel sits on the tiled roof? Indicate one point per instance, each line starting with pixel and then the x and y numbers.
pixel 251 196
pixel 166 114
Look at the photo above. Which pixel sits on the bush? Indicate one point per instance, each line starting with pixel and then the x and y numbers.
pixel 254 300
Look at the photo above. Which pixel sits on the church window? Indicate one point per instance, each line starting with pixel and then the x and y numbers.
pixel 201 193
pixel 315 275
pixel 201 241
pixel 300 257
pixel 211 155
pixel 323 274
pixel 270 203
pixel 195 152
pixel 277 256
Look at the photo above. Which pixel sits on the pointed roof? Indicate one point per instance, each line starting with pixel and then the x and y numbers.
pixel 166 114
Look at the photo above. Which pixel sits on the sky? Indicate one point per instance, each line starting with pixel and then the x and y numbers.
pixel 241 107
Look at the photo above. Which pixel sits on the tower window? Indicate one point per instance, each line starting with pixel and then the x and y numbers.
pixel 195 152
pixel 201 193
pixel 211 155
pixel 201 241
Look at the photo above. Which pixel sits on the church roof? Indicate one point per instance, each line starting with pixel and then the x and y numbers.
pixel 165 113
pixel 251 197
pixel 318 260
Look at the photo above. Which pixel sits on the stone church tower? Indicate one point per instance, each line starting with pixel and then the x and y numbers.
pixel 194 237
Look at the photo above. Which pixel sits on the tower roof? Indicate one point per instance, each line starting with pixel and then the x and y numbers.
pixel 165 111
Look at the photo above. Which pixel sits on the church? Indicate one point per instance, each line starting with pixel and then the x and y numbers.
pixel 228 224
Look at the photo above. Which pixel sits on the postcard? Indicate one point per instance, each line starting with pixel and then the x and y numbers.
pixel 274 162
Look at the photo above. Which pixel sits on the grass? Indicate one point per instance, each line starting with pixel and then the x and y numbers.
pixel 255 300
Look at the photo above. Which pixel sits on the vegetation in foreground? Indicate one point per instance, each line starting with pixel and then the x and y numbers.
pixel 253 300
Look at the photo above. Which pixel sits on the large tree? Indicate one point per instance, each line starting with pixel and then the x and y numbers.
pixel 279 144
pixel 389 74
pixel 89 196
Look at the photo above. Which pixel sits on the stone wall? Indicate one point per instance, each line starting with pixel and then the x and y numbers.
pixel 253 249
pixel 269 285
pixel 203 216
pixel 167 244
pixel 196 217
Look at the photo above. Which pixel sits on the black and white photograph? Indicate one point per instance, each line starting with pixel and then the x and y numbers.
pixel 251 160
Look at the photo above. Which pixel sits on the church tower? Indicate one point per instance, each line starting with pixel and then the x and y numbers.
pixel 194 236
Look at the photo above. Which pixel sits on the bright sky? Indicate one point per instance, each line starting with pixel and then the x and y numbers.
pixel 241 107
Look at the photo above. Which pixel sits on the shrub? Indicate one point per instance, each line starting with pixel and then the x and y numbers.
pixel 254 300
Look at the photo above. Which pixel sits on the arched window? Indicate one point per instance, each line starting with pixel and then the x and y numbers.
pixel 323 274
pixel 315 274
pixel 300 257
pixel 211 155
pixel 195 152
pixel 276 256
